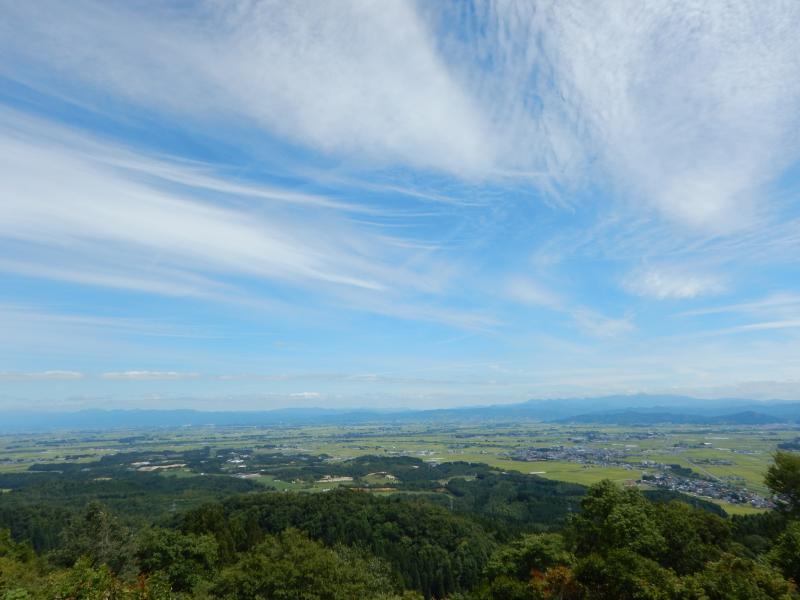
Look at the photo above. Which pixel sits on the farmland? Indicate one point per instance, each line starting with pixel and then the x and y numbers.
pixel 734 457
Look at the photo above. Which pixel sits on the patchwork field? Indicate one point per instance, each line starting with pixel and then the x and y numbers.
pixel 733 457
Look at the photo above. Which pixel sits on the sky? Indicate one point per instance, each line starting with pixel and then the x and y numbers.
pixel 397 204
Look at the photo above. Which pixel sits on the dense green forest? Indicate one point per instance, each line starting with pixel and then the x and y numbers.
pixel 458 530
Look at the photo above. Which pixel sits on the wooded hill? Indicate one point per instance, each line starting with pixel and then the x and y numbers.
pixel 502 537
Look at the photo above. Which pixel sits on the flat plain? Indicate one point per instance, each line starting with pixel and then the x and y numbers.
pixel 731 457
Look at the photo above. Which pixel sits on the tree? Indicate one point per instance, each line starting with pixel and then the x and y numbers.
pixel 693 537
pixel 185 559
pixel 12 549
pixel 84 581
pixel 735 578
pixel 783 478
pixel 17 569
pixel 508 588
pixel 625 575
pixel 786 553
pixel 290 566
pixel 613 517
pixel 558 583
pixel 99 536
pixel 532 552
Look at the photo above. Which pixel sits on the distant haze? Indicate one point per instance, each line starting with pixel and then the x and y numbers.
pixel 638 410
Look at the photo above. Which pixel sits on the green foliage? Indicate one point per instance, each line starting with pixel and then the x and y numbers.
pixel 783 478
pixel 290 566
pixel 15 576
pixel 692 537
pixel 506 587
pixel 676 535
pixel 17 567
pixel 613 517
pixel 183 559
pixel 12 549
pixel 786 553
pixel 98 536
pixel 532 552
pixel 350 544
pixel 431 549
pixel 40 524
pixel 663 496
pixel 623 574
pixel 629 548
pixel 757 533
pixel 516 498
pixel 41 504
pixel 735 578
pixel 85 581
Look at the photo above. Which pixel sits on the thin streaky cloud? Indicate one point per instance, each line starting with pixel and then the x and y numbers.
pixel 148 376
pixel 546 198
pixel 41 376
pixel 773 303
pixel 673 283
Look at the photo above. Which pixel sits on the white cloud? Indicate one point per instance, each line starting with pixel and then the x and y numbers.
pixel 77 209
pixel 690 109
pixel 671 283
pixel 673 113
pixel 601 325
pixel 51 197
pixel 41 376
pixel 687 108
pixel 527 291
pixel 357 78
pixel 785 305
pixel 148 376
pixel 750 327
pixel 305 395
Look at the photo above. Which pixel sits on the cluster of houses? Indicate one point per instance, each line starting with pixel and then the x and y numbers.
pixel 671 477
pixel 575 454
pixel 707 488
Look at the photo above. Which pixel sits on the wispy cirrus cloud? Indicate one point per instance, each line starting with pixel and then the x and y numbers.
pixel 688 109
pixel 357 78
pixel 672 283
pixel 41 376
pixel 371 162
pixel 148 376
pixel 527 291
pixel 96 207
pixel 752 328
pixel 78 209
pixel 524 290
pixel 601 325
pixel 784 304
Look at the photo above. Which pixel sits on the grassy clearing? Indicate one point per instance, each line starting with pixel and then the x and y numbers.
pixel 739 509
pixel 582 474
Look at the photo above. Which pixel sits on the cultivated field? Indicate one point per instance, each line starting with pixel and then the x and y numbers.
pixel 733 457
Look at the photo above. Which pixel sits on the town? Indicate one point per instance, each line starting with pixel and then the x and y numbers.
pixel 670 476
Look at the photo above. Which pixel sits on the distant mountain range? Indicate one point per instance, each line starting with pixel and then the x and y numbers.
pixel 639 409
pixel 638 417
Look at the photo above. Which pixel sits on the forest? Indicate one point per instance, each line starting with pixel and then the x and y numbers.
pixel 457 531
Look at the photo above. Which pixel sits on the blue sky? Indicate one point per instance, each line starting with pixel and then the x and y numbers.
pixel 262 204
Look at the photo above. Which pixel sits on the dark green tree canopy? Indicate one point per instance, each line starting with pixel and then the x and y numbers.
pixel 783 478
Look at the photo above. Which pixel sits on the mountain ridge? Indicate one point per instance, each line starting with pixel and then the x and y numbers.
pixel 598 409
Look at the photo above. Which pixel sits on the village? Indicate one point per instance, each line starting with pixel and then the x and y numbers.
pixel 673 477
